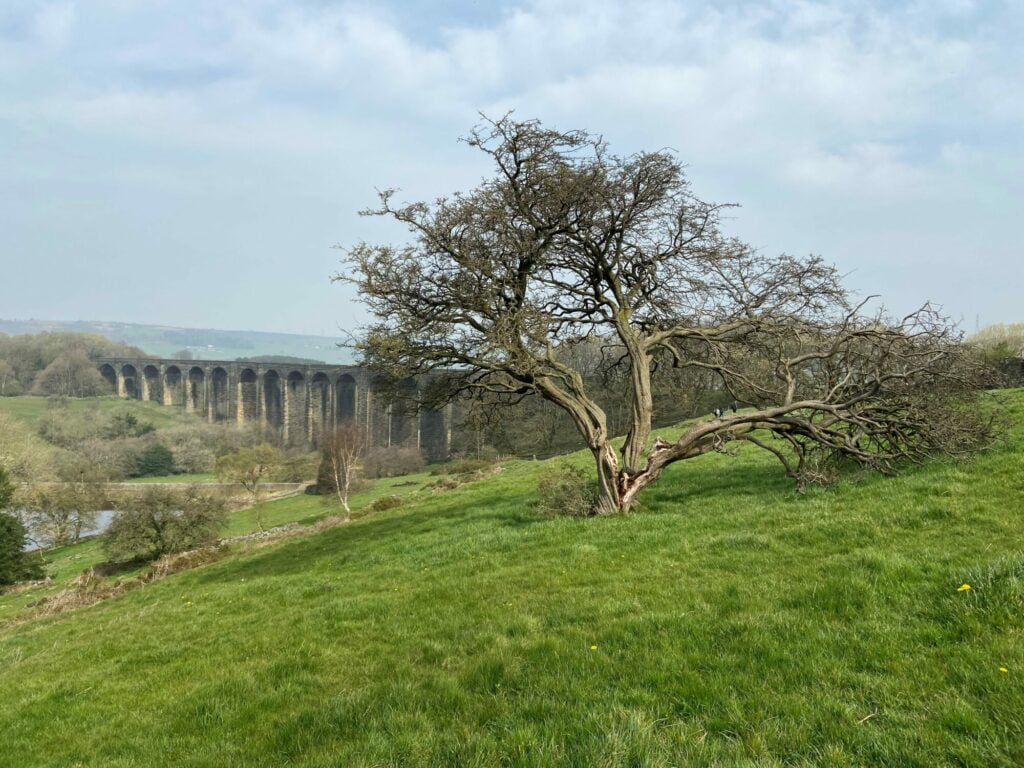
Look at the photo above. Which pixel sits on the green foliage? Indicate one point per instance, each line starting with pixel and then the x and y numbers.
pixel 126 424
pixel 566 491
pixel 57 363
pixel 160 521
pixel 156 460
pixel 16 564
pixel 6 488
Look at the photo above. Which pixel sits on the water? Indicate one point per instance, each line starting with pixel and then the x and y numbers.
pixel 103 518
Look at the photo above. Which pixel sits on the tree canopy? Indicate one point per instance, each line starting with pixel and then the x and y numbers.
pixel 570 244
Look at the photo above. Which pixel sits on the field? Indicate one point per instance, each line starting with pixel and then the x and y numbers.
pixel 730 621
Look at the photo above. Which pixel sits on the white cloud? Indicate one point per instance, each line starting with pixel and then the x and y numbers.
pixel 786 105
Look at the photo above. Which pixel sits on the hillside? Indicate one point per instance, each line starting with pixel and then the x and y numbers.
pixel 202 343
pixel 728 622
pixel 31 410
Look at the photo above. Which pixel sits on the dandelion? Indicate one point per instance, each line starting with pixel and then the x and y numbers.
pixel 963 587
pixel 1003 669
pixel 593 647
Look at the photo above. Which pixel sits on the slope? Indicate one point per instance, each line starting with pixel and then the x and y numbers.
pixel 729 622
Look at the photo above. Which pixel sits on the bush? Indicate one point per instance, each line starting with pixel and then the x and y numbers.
pixel 566 491
pixel 161 521
pixel 463 467
pixel 156 461
pixel 385 503
pixel 16 564
pixel 393 462
pixel 126 424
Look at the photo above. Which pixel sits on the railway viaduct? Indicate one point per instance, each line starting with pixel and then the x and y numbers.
pixel 299 403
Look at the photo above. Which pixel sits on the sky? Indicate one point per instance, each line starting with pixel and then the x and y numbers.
pixel 197 163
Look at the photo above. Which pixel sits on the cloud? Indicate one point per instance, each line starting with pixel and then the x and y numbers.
pixel 804 111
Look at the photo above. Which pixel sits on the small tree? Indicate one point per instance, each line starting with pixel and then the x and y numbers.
pixel 156 461
pixel 249 467
pixel 341 451
pixel 15 564
pixel 59 513
pixel 161 521
pixel 569 245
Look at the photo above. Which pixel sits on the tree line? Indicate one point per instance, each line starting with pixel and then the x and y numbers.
pixel 57 363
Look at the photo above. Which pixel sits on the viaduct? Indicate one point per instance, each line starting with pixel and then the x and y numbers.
pixel 298 403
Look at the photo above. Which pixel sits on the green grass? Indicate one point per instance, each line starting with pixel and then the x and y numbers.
pixel 728 622
pixel 31 409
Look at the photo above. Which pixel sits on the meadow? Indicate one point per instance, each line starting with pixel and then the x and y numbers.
pixel 728 622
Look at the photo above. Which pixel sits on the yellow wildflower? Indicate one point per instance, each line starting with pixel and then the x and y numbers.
pixel 963 587
pixel 593 647
pixel 1003 669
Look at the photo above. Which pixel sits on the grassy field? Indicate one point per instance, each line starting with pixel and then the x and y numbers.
pixel 31 409
pixel 64 564
pixel 728 622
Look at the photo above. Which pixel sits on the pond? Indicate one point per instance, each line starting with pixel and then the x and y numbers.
pixel 103 518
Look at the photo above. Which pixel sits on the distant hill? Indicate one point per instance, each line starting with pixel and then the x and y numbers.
pixel 202 343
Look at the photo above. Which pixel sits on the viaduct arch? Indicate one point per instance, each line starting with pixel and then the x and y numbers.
pixel 299 403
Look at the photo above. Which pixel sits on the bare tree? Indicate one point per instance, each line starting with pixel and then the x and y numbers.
pixel 342 448
pixel 569 244
pixel 249 467
pixel 60 513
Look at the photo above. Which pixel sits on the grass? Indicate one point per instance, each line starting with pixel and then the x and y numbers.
pixel 64 564
pixel 31 409
pixel 728 622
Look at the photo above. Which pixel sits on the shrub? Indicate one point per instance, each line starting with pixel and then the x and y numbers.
pixel 447 482
pixel 566 491
pixel 161 521
pixel 126 424
pixel 463 467
pixel 392 462
pixel 385 503
pixel 156 460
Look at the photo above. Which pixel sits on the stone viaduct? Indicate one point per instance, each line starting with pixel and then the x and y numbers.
pixel 297 403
